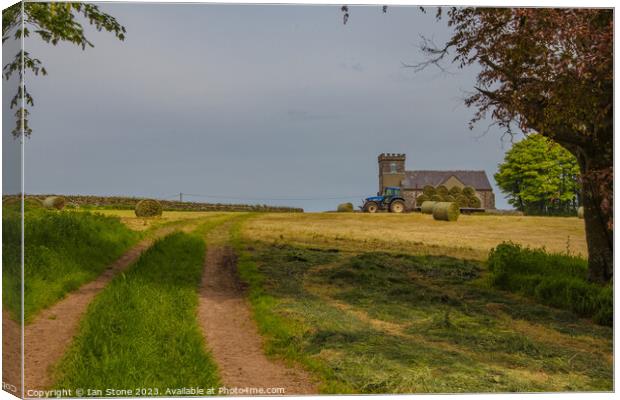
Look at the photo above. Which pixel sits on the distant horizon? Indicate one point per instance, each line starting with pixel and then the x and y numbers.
pixel 232 202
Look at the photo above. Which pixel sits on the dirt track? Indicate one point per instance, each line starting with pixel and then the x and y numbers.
pixel 224 316
pixel 11 354
pixel 231 332
pixel 49 335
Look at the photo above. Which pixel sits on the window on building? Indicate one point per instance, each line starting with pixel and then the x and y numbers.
pixel 393 168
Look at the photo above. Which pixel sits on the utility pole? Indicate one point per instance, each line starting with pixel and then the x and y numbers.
pixel 181 197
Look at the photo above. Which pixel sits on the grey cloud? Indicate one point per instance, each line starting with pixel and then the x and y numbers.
pixel 249 99
pixel 303 115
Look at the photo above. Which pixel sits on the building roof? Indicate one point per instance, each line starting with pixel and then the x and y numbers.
pixel 418 179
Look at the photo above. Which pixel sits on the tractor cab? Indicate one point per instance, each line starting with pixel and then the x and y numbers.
pixel 391 200
pixel 391 192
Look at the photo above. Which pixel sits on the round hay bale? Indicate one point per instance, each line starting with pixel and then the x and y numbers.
pixel 474 202
pixel 436 198
pixel 427 207
pixel 429 190
pixel 421 199
pixel 462 201
pixel 345 207
pixel 57 202
pixel 7 201
pixel 469 191
pixel 14 203
pixel 449 198
pixel 455 191
pixel 148 208
pixel 32 203
pixel 580 213
pixel 446 211
pixel 442 190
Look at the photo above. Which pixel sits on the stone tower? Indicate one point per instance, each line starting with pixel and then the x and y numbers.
pixel 391 169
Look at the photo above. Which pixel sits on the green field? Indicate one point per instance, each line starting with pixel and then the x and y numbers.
pixel 364 303
pixel 141 330
pixel 63 250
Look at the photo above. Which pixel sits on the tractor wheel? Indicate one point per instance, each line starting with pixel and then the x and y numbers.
pixel 371 207
pixel 397 206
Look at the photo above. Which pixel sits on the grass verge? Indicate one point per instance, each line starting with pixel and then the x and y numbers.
pixel 63 250
pixel 141 331
pixel 555 279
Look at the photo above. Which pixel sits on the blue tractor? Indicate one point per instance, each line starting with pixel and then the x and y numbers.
pixel 390 200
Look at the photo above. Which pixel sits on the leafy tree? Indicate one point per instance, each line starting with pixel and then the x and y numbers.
pixel 53 23
pixel 540 177
pixel 548 71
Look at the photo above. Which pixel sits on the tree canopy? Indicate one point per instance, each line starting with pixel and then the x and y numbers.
pixel 540 177
pixel 52 22
pixel 547 71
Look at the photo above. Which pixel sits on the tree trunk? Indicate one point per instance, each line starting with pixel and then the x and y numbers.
pixel 597 197
pixel 600 240
pixel 596 167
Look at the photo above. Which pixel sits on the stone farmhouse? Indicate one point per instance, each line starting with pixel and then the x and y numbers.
pixel 392 173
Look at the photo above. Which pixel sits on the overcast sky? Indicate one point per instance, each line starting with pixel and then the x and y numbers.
pixel 250 102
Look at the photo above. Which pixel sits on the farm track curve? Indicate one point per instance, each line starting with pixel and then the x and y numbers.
pixel 49 335
pixel 230 330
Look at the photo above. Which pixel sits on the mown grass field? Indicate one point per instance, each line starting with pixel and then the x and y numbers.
pixel 403 304
pixel 472 236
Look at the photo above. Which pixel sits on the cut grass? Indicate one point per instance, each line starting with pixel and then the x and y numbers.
pixel 385 323
pixel 141 331
pixel 63 250
pixel 471 237
pixel 363 321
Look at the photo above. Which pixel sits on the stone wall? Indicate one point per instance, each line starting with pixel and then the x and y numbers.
pixel 487 197
pixel 410 196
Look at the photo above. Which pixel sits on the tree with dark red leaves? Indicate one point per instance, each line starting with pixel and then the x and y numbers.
pixel 548 71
